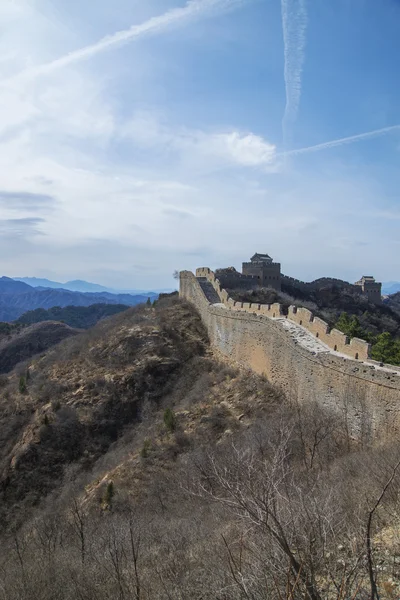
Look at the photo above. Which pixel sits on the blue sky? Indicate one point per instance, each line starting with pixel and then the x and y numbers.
pixel 142 137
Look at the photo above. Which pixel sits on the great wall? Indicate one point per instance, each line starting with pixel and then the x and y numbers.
pixel 299 354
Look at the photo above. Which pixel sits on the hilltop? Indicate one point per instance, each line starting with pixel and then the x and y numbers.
pixel 21 343
pixel 135 464
pixel 82 317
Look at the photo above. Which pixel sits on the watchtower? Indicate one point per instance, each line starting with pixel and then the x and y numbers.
pixel 371 288
pixel 265 269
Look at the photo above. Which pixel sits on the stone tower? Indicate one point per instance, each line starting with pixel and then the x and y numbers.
pixel 371 288
pixel 267 271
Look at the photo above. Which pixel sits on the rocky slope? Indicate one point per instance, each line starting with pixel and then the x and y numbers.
pixel 136 465
pixel 81 395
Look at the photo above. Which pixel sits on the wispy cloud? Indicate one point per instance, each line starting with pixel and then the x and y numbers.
pixel 21 227
pixel 25 200
pixel 193 10
pixel 294 24
pixel 342 141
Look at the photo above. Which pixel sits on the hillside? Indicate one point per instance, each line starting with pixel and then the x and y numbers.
pixel 17 298
pixel 393 302
pixel 94 385
pixel 136 465
pixel 22 343
pixel 82 317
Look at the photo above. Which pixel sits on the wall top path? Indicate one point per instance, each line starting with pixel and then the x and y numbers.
pixel 364 394
pixel 335 340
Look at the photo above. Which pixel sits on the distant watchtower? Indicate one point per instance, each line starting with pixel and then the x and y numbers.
pixel 263 267
pixel 371 288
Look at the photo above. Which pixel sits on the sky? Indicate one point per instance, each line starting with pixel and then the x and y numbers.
pixel 140 137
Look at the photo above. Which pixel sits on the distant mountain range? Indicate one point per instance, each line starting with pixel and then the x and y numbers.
pixel 18 297
pixel 390 287
pixel 79 285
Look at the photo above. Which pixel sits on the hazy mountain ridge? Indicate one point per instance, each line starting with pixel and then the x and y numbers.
pixel 18 297
pixel 79 285
pixel 390 287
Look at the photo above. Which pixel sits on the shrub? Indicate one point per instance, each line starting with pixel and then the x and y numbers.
pixel 144 453
pixel 109 493
pixel 182 440
pixel 170 419
pixel 219 419
pixel 22 384
pixel 56 405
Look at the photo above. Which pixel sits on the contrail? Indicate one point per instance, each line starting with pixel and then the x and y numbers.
pixel 342 141
pixel 193 9
pixel 294 25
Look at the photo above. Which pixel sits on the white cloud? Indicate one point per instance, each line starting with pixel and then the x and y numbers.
pixel 144 188
pixel 243 149
pixel 210 149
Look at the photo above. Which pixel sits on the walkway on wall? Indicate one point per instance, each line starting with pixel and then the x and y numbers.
pixel 299 334
pixel 303 337
pixel 312 344
pixel 208 290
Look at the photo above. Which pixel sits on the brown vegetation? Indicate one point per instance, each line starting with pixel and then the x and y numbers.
pixel 22 343
pixel 145 469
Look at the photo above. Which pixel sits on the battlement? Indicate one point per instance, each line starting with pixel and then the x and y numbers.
pixel 286 349
pixel 333 338
pixel 255 263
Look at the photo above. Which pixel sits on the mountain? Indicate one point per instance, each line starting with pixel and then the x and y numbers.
pixel 38 282
pixel 24 344
pixel 81 317
pixel 79 285
pixel 136 464
pixel 9 286
pixel 18 297
pixel 390 287
pixel 393 302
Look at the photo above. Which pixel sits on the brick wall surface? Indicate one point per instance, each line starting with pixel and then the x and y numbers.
pixel 367 397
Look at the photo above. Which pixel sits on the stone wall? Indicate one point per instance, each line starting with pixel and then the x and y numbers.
pixel 368 398
pixel 314 285
pixel 335 339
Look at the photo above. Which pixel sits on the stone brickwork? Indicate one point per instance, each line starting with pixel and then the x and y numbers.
pixel 254 336
pixel 336 340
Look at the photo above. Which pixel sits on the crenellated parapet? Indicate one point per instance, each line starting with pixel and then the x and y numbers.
pixel 333 338
pixel 293 351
